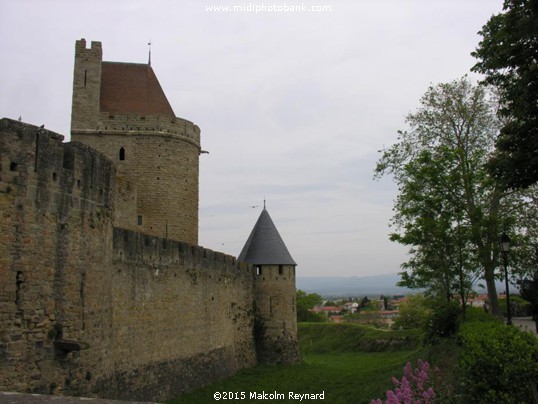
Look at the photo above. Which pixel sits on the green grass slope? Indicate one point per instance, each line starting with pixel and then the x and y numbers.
pixel 345 337
pixel 348 363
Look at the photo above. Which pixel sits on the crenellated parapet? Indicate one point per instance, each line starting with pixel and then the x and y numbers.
pixel 140 248
pixel 135 124
pixel 39 167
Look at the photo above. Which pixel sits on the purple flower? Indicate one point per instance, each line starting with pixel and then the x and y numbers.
pixel 412 388
pixel 391 398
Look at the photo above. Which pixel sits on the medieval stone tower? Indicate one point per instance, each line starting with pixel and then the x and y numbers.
pixel 276 313
pixel 121 110
pixel 104 290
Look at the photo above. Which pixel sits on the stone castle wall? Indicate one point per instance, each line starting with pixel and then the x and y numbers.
pixel 89 308
pixel 187 312
pixel 157 181
pixel 56 204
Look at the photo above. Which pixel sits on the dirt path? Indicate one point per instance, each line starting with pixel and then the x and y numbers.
pixel 19 398
pixel 525 323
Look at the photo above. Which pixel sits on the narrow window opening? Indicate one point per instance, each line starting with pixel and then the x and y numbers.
pixel 54 177
pixel 258 270
pixel 18 290
pixel 280 269
pixel 85 77
pixel 13 166
pixel 82 295
pixel 139 220
pixel 122 154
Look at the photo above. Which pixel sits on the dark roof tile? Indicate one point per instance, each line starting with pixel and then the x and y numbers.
pixel 264 245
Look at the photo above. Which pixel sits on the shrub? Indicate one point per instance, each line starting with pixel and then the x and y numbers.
pixel 478 314
pixel 311 317
pixel 443 321
pixel 498 363
pixel 520 307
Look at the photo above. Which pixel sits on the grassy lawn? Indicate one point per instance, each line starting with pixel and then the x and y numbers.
pixel 349 363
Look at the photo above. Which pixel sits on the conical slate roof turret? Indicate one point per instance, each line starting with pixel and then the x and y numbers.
pixel 264 245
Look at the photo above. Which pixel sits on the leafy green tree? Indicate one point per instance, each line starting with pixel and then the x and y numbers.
pixel 450 210
pixel 385 302
pixel 364 302
pixel 305 302
pixel 507 56
pixel 414 312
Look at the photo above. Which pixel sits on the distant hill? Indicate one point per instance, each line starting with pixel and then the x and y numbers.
pixel 355 286
pixel 340 286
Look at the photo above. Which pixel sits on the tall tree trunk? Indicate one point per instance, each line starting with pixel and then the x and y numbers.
pixel 489 276
pixel 463 292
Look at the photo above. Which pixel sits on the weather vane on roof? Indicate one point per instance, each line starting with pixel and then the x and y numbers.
pixel 149 57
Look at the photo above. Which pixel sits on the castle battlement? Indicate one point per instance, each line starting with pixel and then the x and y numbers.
pixel 135 247
pixel 134 124
pixel 80 46
pixel 48 168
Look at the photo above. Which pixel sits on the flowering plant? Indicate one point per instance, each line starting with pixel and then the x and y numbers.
pixel 414 388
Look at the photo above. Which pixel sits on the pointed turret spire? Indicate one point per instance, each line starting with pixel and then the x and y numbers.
pixel 264 245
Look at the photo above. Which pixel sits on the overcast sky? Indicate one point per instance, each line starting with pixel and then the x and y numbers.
pixel 293 106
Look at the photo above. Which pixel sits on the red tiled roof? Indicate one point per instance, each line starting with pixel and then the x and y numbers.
pixel 319 309
pixel 131 88
pixel 331 308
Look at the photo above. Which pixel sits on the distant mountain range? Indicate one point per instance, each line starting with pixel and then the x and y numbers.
pixel 340 286
pixel 355 286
